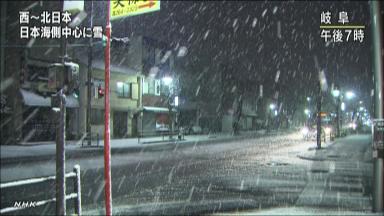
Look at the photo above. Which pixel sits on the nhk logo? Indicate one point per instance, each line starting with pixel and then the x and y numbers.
pixel 25 204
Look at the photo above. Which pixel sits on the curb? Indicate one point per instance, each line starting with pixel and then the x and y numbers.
pixel 311 158
pixel 98 151
pixel 323 157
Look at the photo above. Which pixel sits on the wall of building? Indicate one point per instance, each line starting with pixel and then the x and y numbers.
pixel 135 53
pixel 130 105
pixel 149 124
pixel 117 102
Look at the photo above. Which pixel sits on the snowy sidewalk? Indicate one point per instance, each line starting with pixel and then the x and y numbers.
pixel 318 154
pixel 339 176
pixel 301 211
pixel 331 150
pixel 47 150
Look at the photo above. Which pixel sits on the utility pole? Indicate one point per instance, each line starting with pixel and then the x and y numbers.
pixel 170 117
pixel 60 155
pixel 170 106
pixel 338 116
pixel 59 101
pixel 89 85
pixel 2 39
pixel 319 100
pixel 318 103
pixel 377 34
pixel 107 149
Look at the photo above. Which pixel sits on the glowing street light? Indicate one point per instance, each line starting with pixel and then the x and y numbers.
pixel 176 101
pixel 350 95
pixel 167 80
pixel 272 106
pixel 306 111
pixel 342 106
pixel 336 93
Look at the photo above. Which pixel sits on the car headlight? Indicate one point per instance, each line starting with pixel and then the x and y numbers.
pixel 305 131
pixel 352 125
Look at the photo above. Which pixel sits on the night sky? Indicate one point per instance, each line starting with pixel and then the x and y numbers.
pixel 245 36
pixel 242 38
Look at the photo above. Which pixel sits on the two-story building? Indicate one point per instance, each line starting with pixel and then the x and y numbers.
pixel 159 88
pixel 138 94
pixel 139 100
pixel 125 88
pixel 30 93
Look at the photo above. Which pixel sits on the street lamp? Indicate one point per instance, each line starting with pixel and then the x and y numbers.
pixel 342 106
pixel 176 101
pixel 350 95
pixel 167 80
pixel 336 94
pixel 308 115
pixel 173 100
pixel 271 114
pixel 307 111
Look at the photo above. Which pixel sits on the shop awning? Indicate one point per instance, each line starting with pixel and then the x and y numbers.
pixel 32 99
pixel 157 109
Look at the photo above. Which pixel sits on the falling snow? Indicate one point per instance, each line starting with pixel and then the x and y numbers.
pixel 247 77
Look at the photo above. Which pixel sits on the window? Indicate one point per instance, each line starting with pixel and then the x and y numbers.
pixel 151 86
pixel 157 87
pixel 123 90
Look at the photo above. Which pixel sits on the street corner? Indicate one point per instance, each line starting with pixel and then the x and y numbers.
pixel 301 211
pixel 312 157
pixel 314 154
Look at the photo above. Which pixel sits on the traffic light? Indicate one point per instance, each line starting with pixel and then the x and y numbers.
pixel 61 75
pixel 100 92
pixel 72 77
pixel 104 40
pixel 76 93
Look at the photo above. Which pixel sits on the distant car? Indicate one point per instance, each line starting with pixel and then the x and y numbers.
pixel 310 133
pixel 192 129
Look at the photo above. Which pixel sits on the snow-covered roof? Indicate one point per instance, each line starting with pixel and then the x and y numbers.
pixel 157 109
pixel 32 99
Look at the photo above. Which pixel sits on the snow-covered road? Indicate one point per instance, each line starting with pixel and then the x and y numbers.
pixel 249 174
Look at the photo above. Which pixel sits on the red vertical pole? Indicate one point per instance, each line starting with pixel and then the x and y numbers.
pixel 107 153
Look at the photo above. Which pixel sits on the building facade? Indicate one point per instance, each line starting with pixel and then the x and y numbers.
pixel 139 98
